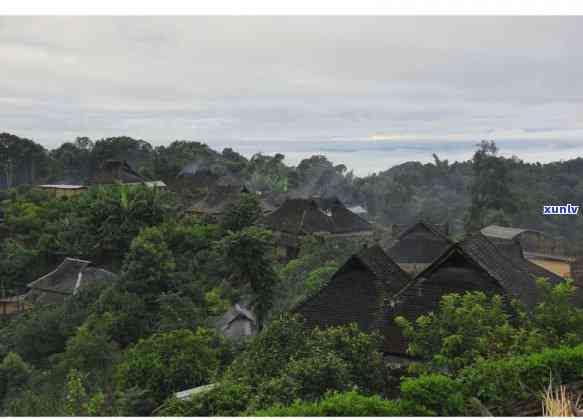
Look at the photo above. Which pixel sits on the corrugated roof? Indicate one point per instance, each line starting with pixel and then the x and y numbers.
pixel 502 232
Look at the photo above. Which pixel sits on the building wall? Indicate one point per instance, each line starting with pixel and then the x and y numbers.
pixel 541 244
pixel 560 268
pixel 239 329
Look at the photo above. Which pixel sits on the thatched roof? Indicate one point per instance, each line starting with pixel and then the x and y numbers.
pixel 219 198
pixel 116 171
pixel 67 279
pixel 301 216
pixel 420 243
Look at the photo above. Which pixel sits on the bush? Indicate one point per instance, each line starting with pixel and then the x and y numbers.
pixel 521 377
pixel 225 399
pixel 439 393
pixel 169 362
pixel 350 404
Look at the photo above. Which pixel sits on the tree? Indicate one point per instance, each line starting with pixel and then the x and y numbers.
pixel 14 373
pixel 149 267
pixel 242 214
pixel 491 186
pixel 248 258
pixel 473 326
pixel 169 362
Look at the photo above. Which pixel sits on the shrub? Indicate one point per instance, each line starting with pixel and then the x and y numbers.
pixel 439 393
pixel 520 377
pixel 225 399
pixel 349 403
pixel 169 362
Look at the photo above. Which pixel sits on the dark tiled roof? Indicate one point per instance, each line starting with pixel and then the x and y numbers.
pixel 420 243
pixel 474 264
pixel 115 171
pixel 356 293
pixel 67 279
pixel 311 215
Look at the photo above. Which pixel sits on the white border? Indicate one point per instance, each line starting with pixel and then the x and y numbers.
pixel 294 7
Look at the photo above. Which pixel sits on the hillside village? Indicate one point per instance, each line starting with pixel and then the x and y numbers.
pixel 184 281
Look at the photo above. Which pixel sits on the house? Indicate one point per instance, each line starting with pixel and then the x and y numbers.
pixel 356 293
pixel 195 178
pixel 418 245
pixel 474 264
pixel 13 304
pixel 116 172
pixel 538 247
pixel 237 324
pixel 62 190
pixel 218 199
pixel 71 276
pixel 298 217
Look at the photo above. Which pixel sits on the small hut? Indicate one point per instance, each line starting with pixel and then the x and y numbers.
pixel 71 276
pixel 238 323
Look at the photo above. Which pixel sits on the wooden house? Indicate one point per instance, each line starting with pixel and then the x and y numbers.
pixel 298 217
pixel 418 245
pixel 71 276
pixel 13 304
pixel 116 172
pixel 356 293
pixel 238 323
pixel 541 249
pixel 218 199
pixel 474 264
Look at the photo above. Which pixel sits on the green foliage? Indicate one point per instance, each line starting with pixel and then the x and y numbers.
pixel 472 327
pixel 149 266
pixel 347 404
pixel 169 362
pixel 119 315
pixel 89 352
pixel 225 399
pixel 14 373
pixel 243 214
pixel 18 267
pixel 490 189
pixel 522 377
pixel 248 257
pixel 285 362
pixel 320 256
pixel 438 393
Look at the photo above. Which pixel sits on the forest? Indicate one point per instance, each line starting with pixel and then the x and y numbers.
pixel 125 347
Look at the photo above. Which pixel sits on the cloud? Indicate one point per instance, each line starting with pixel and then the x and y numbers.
pixel 291 78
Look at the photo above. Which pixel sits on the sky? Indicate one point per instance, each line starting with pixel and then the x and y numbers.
pixel 366 87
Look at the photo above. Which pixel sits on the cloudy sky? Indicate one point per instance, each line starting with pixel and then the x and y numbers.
pixel 318 80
